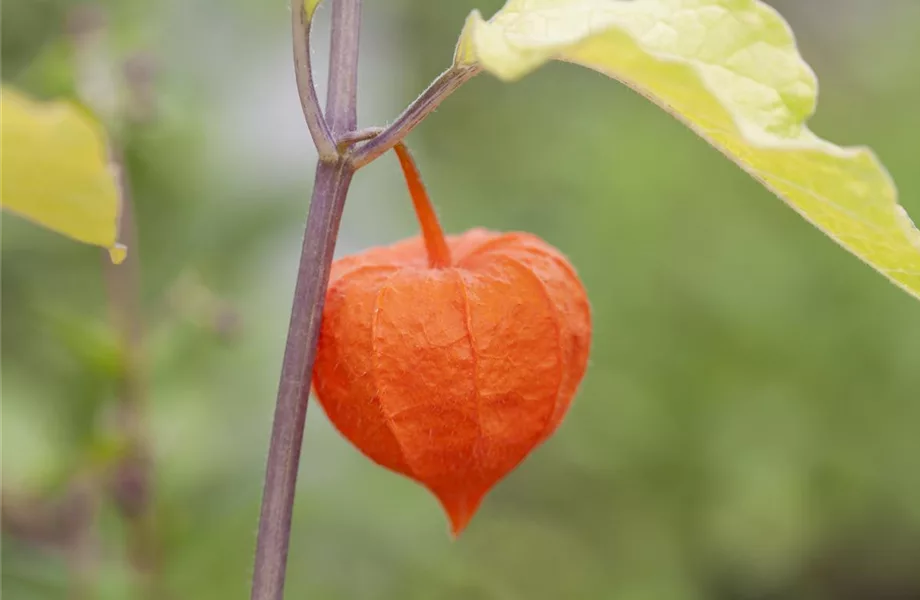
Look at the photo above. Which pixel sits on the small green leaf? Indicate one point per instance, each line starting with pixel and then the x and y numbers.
pixel 55 170
pixel 729 70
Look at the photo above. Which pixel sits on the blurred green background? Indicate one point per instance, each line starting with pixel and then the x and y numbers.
pixel 749 427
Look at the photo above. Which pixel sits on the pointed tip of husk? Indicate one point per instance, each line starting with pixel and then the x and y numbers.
pixel 460 509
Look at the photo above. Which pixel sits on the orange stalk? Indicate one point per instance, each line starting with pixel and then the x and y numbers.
pixel 435 244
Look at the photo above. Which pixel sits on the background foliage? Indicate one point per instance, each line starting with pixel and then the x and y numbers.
pixel 748 425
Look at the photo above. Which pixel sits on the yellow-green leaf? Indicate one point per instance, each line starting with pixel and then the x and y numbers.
pixel 56 172
pixel 310 7
pixel 729 70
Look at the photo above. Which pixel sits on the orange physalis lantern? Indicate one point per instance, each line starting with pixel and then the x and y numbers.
pixel 449 359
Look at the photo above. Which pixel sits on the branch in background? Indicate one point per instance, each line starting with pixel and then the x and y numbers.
pixel 129 483
pixel 446 83
pixel 329 191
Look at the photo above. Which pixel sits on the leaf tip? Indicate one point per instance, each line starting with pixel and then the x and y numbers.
pixel 309 7
pixel 118 253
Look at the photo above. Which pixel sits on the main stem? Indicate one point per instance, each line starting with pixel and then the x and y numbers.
pixel 329 191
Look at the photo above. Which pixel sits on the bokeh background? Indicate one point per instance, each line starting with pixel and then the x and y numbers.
pixel 749 427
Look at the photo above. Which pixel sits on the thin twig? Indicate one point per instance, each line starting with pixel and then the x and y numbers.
pixel 446 83
pixel 329 191
pixel 301 23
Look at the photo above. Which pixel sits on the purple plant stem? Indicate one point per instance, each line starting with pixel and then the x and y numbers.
pixel 329 191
